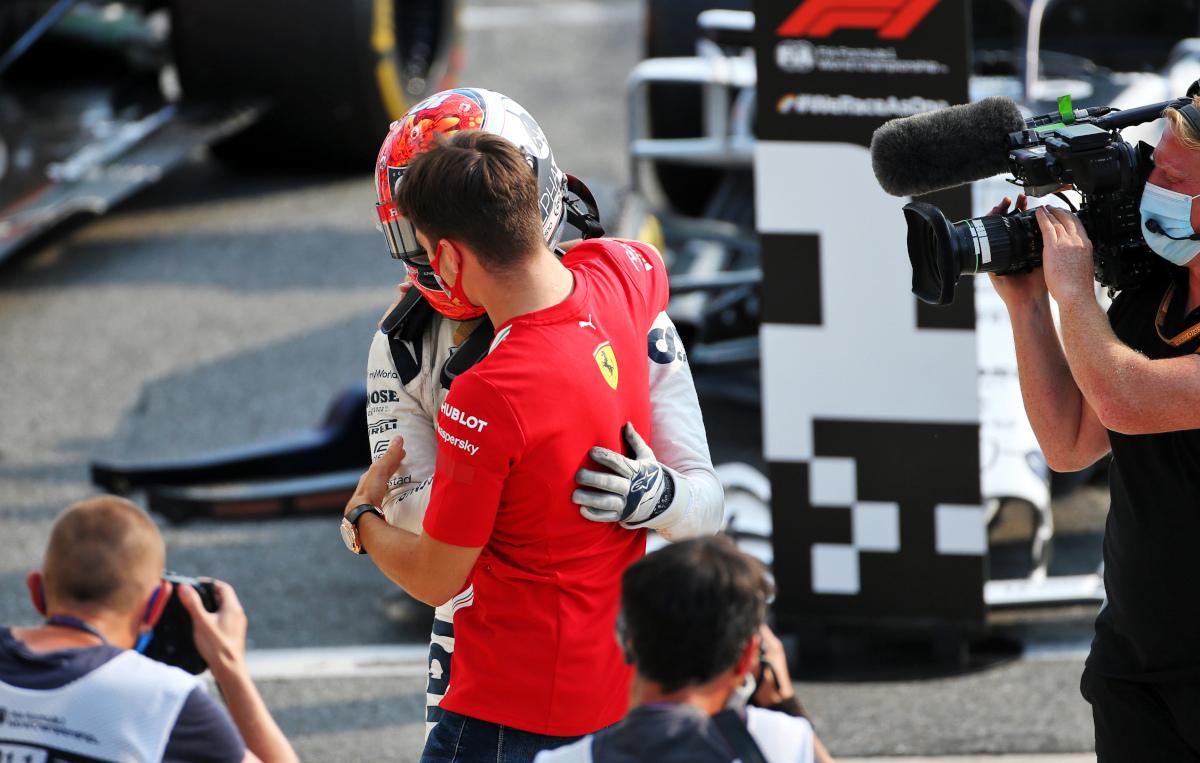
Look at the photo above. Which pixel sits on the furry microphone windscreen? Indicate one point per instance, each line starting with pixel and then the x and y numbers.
pixel 944 148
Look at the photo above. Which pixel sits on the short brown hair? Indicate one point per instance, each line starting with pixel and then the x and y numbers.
pixel 689 609
pixel 1183 130
pixel 477 188
pixel 104 553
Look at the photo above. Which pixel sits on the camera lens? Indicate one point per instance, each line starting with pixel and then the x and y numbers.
pixel 941 252
pixel 1004 243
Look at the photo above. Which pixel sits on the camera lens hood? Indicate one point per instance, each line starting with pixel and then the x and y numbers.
pixel 931 251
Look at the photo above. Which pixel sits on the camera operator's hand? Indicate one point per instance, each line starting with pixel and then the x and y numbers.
pixel 1066 255
pixel 220 636
pixel 1018 288
pixel 1005 203
pixel 774 681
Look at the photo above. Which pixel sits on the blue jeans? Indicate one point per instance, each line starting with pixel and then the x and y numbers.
pixel 461 739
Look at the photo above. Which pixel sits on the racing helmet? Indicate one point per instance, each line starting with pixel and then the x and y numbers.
pixel 447 112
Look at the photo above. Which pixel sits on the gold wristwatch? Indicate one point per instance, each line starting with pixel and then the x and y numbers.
pixel 350 526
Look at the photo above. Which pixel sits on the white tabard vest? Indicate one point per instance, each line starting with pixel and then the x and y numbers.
pixel 123 711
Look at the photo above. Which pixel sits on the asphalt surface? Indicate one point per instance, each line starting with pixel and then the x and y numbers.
pixel 220 308
pixel 993 712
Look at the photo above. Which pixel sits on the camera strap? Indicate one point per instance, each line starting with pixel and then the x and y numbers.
pixel 733 727
pixel 68 621
pixel 470 351
pixel 404 327
pixel 1160 320
pixel 587 220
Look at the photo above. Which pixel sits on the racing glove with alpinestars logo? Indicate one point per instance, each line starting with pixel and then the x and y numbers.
pixel 639 490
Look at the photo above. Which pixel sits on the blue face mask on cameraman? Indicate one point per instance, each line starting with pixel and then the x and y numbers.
pixel 1170 214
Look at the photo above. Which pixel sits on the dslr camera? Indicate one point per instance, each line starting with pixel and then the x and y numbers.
pixel 172 642
pixel 1071 149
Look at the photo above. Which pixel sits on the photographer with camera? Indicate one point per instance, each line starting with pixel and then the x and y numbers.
pixel 1129 383
pixel 78 688
pixel 693 625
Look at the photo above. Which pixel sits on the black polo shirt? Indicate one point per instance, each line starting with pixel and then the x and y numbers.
pixel 1150 628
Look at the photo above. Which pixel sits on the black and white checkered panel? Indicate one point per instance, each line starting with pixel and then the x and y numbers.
pixel 870 410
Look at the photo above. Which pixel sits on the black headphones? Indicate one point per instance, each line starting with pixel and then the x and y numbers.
pixel 1188 110
pixel 1191 114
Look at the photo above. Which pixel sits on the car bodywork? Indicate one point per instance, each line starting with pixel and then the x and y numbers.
pixel 99 100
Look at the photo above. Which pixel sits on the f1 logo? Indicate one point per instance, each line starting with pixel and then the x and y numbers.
pixel 892 19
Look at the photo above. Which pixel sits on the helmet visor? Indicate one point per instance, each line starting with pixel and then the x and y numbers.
pixel 401 236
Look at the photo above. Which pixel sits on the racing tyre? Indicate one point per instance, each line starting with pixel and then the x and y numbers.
pixel 675 110
pixel 335 73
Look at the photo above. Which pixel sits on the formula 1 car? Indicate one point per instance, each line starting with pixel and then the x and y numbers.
pixel 99 99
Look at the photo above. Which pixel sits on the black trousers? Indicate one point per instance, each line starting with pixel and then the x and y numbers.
pixel 1138 721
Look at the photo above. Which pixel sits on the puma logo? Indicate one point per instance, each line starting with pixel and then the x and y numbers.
pixel 588 322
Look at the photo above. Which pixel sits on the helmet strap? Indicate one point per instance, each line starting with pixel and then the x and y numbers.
pixel 588 219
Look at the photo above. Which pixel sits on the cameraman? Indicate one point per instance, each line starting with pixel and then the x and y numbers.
pixel 77 687
pixel 1129 383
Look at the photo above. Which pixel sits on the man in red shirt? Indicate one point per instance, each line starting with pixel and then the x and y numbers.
pixel 536 663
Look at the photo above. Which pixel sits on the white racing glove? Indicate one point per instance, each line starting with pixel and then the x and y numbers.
pixel 638 492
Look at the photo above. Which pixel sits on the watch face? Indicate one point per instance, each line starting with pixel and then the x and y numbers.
pixel 350 536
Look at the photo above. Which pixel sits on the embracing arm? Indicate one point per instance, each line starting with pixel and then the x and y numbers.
pixel 672 488
pixel 426 568
pixel 681 442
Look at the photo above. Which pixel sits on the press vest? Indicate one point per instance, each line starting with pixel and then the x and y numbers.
pixel 122 711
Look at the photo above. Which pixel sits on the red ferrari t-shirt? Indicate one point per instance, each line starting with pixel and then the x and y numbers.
pixel 535 649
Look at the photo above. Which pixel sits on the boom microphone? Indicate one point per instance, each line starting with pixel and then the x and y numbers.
pixel 944 148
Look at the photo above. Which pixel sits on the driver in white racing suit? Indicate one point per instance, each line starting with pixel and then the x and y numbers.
pixel 423 344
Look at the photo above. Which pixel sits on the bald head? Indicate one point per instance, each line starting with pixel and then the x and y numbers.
pixel 104 553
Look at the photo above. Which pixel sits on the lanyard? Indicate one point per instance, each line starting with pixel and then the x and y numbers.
pixel 1161 318
pixel 67 621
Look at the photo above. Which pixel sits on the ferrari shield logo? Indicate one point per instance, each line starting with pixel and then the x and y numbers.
pixel 606 359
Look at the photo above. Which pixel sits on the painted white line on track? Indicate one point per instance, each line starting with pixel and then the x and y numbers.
pixel 412 660
pixel 1068 757
pixel 338 662
pixel 562 14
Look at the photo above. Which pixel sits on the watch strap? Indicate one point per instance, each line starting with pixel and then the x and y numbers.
pixel 357 512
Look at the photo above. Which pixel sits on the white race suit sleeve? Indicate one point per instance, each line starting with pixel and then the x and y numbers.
pixel 679 440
